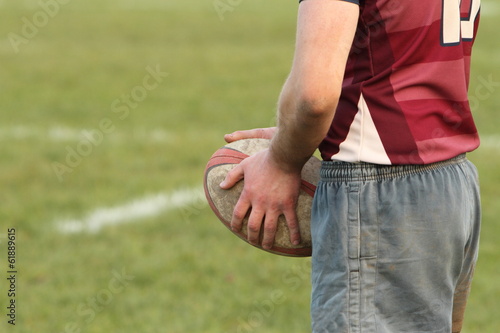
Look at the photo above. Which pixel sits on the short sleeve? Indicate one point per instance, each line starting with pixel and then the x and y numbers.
pixel 351 1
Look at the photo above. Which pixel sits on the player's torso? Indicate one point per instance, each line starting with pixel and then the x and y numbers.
pixel 405 90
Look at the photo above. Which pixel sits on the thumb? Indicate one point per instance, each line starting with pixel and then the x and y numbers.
pixel 232 177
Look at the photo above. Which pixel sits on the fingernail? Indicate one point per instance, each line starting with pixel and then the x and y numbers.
pixel 222 184
pixel 296 242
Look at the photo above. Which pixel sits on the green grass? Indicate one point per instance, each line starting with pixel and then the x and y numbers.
pixel 186 273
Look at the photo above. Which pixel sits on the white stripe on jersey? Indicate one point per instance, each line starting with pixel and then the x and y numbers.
pixel 363 142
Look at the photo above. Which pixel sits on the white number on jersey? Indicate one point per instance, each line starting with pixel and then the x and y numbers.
pixel 454 28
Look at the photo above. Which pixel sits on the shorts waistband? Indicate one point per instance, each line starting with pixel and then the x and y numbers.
pixel 344 171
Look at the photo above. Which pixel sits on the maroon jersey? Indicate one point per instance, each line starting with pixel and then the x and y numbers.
pixel 404 97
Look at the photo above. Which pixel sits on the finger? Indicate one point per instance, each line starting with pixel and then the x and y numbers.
pixel 254 225
pixel 270 228
pixel 232 177
pixel 239 213
pixel 258 133
pixel 293 226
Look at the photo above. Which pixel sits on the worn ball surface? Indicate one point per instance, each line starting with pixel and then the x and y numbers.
pixel 223 202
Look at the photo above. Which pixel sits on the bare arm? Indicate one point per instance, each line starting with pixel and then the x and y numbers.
pixel 325 31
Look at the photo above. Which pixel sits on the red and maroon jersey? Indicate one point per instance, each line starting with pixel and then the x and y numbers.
pixel 404 97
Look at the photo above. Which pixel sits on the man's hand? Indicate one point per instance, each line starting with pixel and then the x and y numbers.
pixel 268 193
pixel 256 133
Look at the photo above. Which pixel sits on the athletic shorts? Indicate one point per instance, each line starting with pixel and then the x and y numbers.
pixel 394 247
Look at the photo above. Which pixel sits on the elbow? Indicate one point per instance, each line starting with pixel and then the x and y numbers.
pixel 317 104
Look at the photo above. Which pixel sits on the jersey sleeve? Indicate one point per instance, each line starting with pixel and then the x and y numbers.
pixel 351 1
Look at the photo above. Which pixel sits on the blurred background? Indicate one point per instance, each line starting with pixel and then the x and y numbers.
pixel 110 110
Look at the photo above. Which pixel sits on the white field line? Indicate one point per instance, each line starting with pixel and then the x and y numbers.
pixel 133 211
pixel 490 142
pixel 65 134
pixel 156 135
pixel 145 5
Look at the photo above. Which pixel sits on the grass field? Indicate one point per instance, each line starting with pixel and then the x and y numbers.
pixel 109 112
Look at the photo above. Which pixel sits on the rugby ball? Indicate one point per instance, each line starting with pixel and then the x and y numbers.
pixel 223 202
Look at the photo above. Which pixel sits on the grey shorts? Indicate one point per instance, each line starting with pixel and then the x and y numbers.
pixel 394 247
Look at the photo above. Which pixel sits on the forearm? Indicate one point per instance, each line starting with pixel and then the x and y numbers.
pixel 325 31
pixel 302 125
